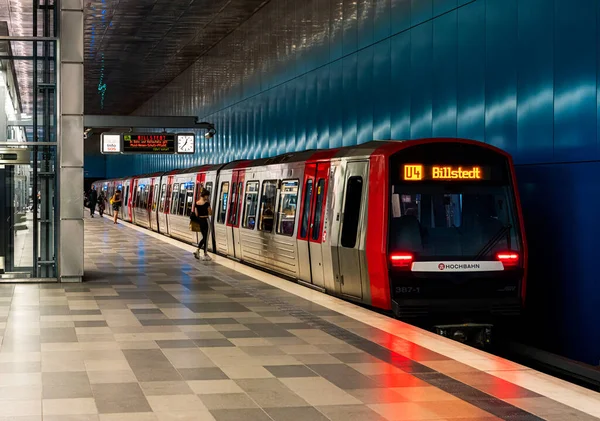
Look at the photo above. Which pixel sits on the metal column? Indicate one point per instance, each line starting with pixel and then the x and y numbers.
pixel 44 104
pixel 70 138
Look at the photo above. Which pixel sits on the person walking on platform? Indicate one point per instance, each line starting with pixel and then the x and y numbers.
pixel 92 201
pixel 101 203
pixel 116 203
pixel 199 223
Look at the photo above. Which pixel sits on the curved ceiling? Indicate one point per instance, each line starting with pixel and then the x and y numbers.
pixel 133 48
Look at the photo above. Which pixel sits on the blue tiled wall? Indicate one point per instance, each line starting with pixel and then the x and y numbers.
pixel 519 74
pixel 94 166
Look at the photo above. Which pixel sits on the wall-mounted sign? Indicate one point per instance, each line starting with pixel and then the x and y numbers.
pixel 419 172
pixel 153 143
pixel 110 143
pixel 14 156
pixel 149 143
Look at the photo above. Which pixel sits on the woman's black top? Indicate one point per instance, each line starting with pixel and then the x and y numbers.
pixel 202 210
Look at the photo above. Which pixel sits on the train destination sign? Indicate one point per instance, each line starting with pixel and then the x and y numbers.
pixel 419 172
pixel 148 143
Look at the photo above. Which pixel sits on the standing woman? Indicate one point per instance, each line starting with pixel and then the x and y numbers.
pixel 116 203
pixel 203 211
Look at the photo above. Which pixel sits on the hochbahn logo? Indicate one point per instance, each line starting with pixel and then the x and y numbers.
pixel 443 266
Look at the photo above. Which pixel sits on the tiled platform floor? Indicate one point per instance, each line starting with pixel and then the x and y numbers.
pixel 155 335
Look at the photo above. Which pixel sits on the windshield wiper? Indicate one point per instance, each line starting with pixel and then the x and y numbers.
pixel 497 237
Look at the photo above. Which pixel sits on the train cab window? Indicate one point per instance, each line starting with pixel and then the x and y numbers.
pixel 286 212
pixel 352 204
pixel 316 231
pixel 223 202
pixel 306 207
pixel 459 224
pixel 250 205
pixel 189 198
pixel 267 206
pixel 174 199
pixel 163 198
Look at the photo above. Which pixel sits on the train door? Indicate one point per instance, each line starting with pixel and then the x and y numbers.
pixel 304 228
pixel 154 197
pixel 220 214
pixel 209 183
pixel 165 203
pixel 349 246
pixel 234 246
pixel 315 185
pixel 126 206
pixel 133 202
pixel 160 207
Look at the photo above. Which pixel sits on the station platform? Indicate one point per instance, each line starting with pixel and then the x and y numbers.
pixel 155 335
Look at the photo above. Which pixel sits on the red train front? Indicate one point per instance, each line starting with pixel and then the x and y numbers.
pixel 455 243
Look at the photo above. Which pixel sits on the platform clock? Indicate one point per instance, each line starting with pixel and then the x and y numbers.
pixel 186 143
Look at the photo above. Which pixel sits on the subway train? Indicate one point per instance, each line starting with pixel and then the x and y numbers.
pixel 428 228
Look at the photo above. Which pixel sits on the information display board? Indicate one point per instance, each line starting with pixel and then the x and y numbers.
pixel 148 143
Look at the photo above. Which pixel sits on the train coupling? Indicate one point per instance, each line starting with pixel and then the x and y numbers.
pixel 474 334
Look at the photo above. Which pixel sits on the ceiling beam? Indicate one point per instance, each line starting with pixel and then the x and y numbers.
pixel 144 122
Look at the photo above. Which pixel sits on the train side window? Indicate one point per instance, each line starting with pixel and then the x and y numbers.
pixel 153 199
pixel 126 195
pixel 149 197
pixel 174 198
pixel 209 187
pixel 163 198
pixel 240 192
pixel 286 211
pixel 168 198
pixel 306 207
pixel 199 188
pixel 182 194
pixel 267 206
pixel 232 220
pixel 189 198
pixel 223 202
pixel 352 211
pixel 144 200
pixel 250 205
pixel 316 231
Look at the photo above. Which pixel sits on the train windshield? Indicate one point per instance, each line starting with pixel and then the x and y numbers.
pixel 461 209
